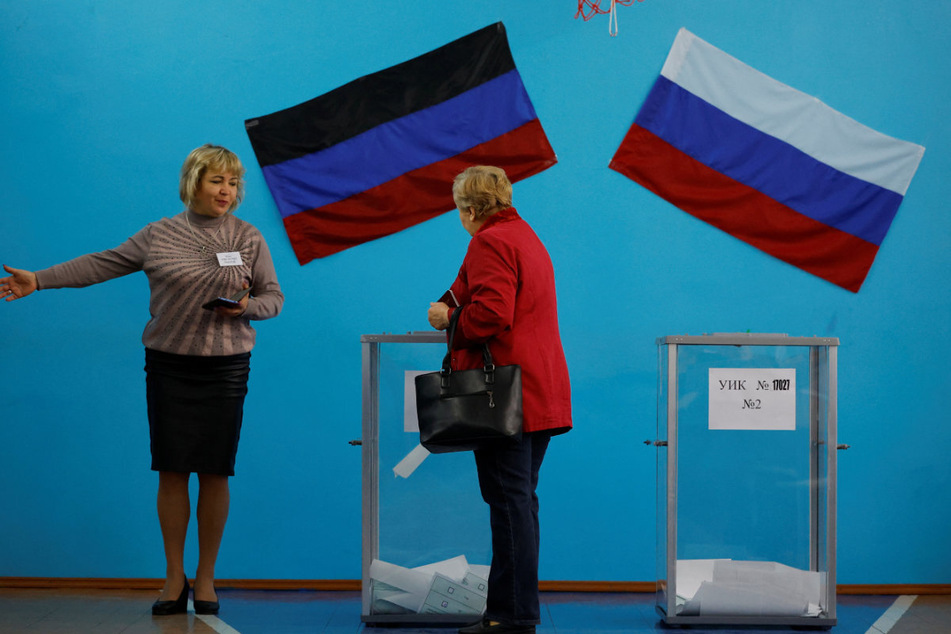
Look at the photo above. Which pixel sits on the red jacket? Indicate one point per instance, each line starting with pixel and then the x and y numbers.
pixel 507 285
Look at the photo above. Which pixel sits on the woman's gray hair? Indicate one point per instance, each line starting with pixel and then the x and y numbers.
pixel 199 161
pixel 484 188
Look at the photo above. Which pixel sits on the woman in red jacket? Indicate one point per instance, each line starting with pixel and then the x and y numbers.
pixel 507 285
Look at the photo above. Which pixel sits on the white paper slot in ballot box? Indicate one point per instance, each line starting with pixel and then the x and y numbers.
pixel 746 480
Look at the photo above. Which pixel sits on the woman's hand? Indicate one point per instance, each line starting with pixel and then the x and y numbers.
pixel 438 315
pixel 19 284
pixel 237 310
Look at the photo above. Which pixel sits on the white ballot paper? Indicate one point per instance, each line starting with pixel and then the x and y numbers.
pixel 709 587
pixel 410 419
pixel 402 587
pixel 413 459
pixel 445 587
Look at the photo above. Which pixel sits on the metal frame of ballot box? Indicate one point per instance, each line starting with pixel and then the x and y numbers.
pixel 746 500
pixel 371 452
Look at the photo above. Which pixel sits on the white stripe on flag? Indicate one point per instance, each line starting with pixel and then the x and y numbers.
pixel 790 115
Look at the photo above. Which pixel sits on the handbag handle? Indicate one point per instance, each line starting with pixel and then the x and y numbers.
pixel 487 364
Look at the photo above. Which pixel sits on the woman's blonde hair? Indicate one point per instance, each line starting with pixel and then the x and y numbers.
pixel 202 159
pixel 485 188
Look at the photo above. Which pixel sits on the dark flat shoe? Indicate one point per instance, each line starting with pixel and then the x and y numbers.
pixel 178 606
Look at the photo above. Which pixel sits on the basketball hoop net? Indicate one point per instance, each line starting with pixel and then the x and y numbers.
pixel 587 9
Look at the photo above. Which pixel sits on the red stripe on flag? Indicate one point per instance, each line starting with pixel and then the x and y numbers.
pixel 742 211
pixel 416 196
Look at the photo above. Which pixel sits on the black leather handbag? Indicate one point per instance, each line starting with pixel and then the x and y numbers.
pixel 464 410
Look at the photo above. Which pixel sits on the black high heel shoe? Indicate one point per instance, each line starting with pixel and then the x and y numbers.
pixel 207 607
pixel 178 606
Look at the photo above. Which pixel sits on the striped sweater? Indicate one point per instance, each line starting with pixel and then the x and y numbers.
pixel 178 255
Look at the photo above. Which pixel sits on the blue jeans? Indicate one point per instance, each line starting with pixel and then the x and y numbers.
pixel 508 477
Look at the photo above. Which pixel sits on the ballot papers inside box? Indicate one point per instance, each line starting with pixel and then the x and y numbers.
pixel 746 477
pixel 447 587
pixel 447 596
pixel 725 587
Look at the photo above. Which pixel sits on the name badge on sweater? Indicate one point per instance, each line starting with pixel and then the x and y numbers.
pixel 231 258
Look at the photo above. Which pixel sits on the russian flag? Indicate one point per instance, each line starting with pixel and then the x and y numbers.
pixel 766 163
pixel 378 155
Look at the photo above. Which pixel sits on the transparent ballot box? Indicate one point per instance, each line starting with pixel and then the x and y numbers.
pixel 426 541
pixel 746 468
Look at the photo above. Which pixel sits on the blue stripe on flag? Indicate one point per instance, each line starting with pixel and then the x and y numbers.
pixel 767 164
pixel 399 146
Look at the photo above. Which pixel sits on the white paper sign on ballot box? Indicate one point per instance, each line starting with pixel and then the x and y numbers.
pixel 756 399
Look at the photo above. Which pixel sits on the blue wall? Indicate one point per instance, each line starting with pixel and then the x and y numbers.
pixel 101 101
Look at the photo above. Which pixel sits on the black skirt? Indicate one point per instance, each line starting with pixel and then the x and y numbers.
pixel 196 405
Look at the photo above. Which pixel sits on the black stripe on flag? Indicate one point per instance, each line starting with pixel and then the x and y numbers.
pixel 381 97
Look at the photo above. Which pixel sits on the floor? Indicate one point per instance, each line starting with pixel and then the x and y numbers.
pixel 277 612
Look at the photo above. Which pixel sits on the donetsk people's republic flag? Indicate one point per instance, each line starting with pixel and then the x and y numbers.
pixel 378 155
pixel 766 163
